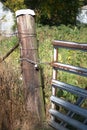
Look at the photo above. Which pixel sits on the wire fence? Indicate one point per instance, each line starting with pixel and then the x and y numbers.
pixel 8 33
pixel 11 83
pixel 35 63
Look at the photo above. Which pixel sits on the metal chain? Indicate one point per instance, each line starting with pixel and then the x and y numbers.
pixel 36 64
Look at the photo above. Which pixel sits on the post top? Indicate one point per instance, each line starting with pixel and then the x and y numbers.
pixel 25 11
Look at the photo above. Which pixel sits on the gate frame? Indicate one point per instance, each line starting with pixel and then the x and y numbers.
pixel 82 93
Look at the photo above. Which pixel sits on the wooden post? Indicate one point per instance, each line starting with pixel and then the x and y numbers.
pixel 31 76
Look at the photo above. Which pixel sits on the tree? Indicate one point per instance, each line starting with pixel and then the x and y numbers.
pixel 14 5
pixel 50 11
pixel 55 11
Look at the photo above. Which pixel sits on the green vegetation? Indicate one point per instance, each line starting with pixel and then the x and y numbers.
pixel 12 74
pixel 11 87
pixel 53 12
pixel 46 35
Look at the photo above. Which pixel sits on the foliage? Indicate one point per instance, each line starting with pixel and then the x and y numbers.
pixel 14 4
pixel 50 11
pixel 5 45
pixel 55 12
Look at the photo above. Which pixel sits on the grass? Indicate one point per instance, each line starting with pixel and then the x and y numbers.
pixel 11 86
pixel 45 36
pixel 12 73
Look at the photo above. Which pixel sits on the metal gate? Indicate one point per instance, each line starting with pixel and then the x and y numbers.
pixel 73 116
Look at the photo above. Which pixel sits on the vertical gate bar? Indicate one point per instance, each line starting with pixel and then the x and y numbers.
pixel 55 59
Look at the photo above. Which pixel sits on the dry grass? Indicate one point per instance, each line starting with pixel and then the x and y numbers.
pixel 13 115
pixel 11 98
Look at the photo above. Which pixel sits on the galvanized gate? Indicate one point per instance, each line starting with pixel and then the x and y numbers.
pixel 68 118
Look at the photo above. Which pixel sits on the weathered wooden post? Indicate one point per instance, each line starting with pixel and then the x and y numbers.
pixel 31 76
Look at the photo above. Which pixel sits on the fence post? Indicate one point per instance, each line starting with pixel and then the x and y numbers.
pixel 31 76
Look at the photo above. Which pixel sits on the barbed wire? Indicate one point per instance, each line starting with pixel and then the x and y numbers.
pixel 10 34
pixel 36 64
pixel 5 32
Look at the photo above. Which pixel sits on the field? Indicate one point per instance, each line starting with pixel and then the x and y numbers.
pixel 11 85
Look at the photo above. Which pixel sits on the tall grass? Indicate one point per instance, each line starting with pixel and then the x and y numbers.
pixel 11 87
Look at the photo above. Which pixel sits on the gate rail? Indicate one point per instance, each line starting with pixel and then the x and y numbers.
pixel 64 121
